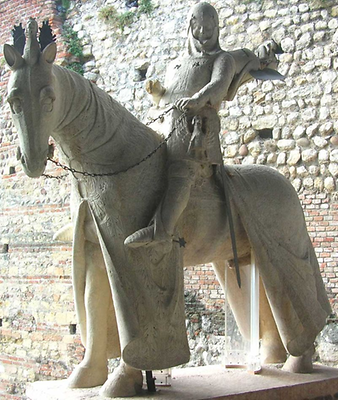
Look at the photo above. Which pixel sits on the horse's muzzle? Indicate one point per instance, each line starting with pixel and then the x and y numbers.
pixel 32 168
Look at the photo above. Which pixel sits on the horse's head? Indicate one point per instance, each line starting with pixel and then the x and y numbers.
pixel 31 93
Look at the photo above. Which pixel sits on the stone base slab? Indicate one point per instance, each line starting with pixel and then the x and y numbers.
pixel 215 382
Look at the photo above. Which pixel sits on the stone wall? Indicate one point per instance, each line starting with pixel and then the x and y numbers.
pixel 37 319
pixel 291 126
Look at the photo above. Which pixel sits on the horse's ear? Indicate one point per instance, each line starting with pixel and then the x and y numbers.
pixel 13 57
pixel 49 53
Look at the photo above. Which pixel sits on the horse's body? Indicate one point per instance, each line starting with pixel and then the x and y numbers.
pixel 143 288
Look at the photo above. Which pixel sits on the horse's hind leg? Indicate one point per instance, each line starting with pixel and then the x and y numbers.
pixel 301 364
pixel 238 299
pixel 92 371
pixel 273 351
pixel 272 348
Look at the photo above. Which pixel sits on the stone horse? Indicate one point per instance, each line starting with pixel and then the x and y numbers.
pixel 130 302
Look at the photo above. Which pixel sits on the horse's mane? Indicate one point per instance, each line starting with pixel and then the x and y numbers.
pixel 99 119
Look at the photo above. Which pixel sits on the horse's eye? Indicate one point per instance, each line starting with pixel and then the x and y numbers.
pixel 16 105
pixel 47 97
pixel 47 104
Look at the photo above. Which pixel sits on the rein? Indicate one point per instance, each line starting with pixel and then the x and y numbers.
pixel 93 175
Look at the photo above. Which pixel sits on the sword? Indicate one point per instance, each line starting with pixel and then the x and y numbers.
pixel 231 225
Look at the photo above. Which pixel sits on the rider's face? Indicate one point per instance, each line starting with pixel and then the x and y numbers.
pixel 202 28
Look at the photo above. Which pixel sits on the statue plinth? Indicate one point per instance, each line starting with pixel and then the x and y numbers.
pixel 215 382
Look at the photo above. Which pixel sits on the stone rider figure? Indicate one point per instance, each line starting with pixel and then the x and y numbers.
pixel 196 84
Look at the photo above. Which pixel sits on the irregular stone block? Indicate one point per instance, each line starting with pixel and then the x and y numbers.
pixel 309 155
pixel 286 144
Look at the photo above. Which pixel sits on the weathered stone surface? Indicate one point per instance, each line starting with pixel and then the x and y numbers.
pixel 249 136
pixel 243 150
pixel 281 159
pixel 267 121
pixel 294 157
pixel 329 184
pixel 298 132
pixel 286 144
pixel 323 156
pixel 270 145
pixel 302 171
pixel 309 155
pixel 319 184
pixel 303 142
pixel 319 141
pixel 288 45
pixel 326 128
pixel 334 140
pixel 231 150
pixel 334 156
pixel 328 340
pixel 297 184
pixel 231 138
pixel 308 183
pixel 272 158
pixel 254 148
pixel 333 169
pixel 311 130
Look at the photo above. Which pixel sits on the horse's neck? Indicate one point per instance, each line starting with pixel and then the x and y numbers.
pixel 71 98
pixel 91 127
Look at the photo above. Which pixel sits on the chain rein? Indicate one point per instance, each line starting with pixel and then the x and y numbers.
pixel 91 174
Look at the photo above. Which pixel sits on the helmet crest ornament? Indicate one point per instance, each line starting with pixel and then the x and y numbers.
pixel 28 44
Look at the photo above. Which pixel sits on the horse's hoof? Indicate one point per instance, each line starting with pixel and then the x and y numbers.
pixel 302 364
pixel 273 354
pixel 124 382
pixel 86 377
pixel 140 238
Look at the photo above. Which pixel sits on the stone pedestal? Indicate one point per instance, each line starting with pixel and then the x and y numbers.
pixel 215 382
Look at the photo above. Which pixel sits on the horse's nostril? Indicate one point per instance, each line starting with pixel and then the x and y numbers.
pixel 50 151
pixel 18 153
pixel 23 162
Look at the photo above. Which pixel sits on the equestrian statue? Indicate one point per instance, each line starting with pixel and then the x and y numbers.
pixel 145 203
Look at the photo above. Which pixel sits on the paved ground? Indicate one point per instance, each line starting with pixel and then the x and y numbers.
pixel 215 382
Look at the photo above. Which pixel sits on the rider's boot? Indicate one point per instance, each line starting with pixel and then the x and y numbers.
pixel 146 236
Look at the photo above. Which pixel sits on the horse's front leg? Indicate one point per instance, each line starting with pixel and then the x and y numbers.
pixel 93 371
pixel 125 381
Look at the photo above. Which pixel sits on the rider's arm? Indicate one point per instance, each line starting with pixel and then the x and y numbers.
pixel 224 70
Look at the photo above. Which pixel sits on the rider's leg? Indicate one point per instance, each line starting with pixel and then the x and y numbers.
pixel 181 177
